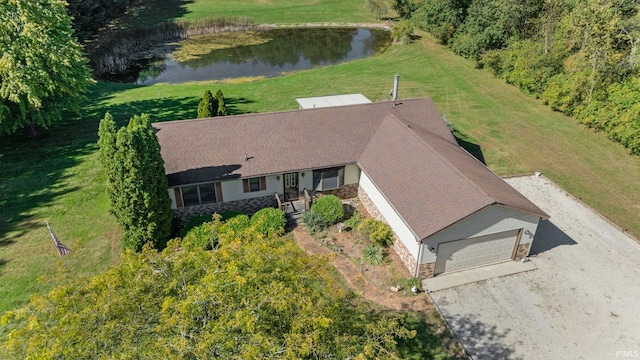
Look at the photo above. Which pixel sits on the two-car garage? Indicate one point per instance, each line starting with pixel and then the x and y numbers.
pixel 477 251
pixel 492 235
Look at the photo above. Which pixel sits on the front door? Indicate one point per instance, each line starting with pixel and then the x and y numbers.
pixel 290 186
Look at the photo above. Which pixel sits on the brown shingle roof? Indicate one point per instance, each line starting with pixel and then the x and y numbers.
pixel 431 182
pixel 406 150
pixel 214 148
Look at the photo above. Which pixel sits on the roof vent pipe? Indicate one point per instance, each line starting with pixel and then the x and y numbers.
pixel 396 78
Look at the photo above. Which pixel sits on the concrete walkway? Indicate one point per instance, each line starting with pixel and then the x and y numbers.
pixel 446 281
pixel 358 283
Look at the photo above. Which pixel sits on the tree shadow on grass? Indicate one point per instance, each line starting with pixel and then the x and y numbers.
pixel 3 262
pixel 159 109
pixel 6 242
pixel 34 174
pixel 35 171
pixel 232 104
pixel 473 149
pixel 151 12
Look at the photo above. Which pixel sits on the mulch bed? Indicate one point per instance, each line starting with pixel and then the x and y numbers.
pixel 374 282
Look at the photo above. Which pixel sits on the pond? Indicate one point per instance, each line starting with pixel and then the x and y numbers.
pixel 283 50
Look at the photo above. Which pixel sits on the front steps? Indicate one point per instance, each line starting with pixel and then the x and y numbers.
pixel 294 211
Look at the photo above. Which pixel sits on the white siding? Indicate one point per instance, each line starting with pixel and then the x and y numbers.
pixel 306 181
pixel 172 195
pixel 232 190
pixel 493 219
pixel 351 174
pixel 392 218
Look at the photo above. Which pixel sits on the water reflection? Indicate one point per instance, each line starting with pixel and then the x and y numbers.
pixel 288 50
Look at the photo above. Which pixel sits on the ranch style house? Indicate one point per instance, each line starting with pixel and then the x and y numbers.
pixel 448 210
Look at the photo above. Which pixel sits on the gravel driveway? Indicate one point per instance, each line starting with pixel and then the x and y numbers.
pixel 583 301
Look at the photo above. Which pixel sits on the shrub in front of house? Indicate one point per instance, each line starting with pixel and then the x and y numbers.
pixel 202 236
pixel 193 222
pixel 226 215
pixel 373 254
pixel 353 221
pixel 313 222
pixel 269 221
pixel 377 232
pixel 238 223
pixel 329 208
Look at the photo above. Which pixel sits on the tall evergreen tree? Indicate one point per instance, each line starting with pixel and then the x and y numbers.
pixel 43 70
pixel 107 139
pixel 207 106
pixel 136 181
pixel 222 106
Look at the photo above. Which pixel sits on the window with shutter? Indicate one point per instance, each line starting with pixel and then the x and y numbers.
pixel 254 184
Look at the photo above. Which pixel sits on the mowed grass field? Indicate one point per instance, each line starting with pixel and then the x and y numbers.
pixel 290 12
pixel 58 177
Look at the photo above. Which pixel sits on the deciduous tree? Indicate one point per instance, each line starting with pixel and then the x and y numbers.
pixel 253 296
pixel 402 31
pixel 577 56
pixel 378 8
pixel 89 16
pixel 405 8
pixel 43 70
pixel 441 17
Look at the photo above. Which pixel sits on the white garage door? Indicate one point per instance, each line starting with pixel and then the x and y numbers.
pixel 471 252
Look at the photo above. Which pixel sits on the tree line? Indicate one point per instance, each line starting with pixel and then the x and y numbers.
pixel 89 16
pixel 578 56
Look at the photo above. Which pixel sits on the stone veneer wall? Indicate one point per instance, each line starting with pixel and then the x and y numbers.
pixel 248 206
pixel 404 254
pixel 522 251
pixel 399 247
pixel 348 191
pixel 368 204
pixel 426 270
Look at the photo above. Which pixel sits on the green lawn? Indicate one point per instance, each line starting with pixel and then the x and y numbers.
pixel 55 178
pixel 261 11
pixel 283 11
pixel 58 177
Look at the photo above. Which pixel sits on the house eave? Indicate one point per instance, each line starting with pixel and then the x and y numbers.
pixel 276 173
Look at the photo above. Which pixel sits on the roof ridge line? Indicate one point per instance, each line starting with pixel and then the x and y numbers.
pixel 380 103
pixel 447 162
